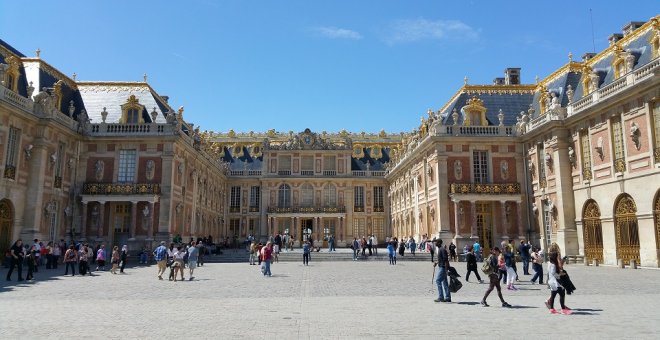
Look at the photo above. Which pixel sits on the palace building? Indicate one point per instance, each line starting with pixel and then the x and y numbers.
pixel 573 158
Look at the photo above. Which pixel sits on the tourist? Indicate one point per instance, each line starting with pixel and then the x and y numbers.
pixel 160 255
pixel 477 250
pixel 114 259
pixel 70 260
pixel 523 249
pixel 452 251
pixel 402 247
pixel 331 243
pixel 442 266
pixel 257 250
pixel 266 258
pixel 355 246
pixel 430 247
pixel 374 244
pixel 100 258
pixel 472 265
pixel 370 245
pixel 306 248
pixel 466 249
pixel 123 256
pixel 394 242
pixel 83 265
pixel 537 265
pixel 49 255
pixel 56 252
pixel 16 260
pixel 37 248
pixel 554 272
pixel 178 264
pixel 509 262
pixel 391 252
pixel 193 256
pixel 31 263
pixel 363 245
pixel 501 266
pixel 253 248
pixel 412 245
pixel 492 261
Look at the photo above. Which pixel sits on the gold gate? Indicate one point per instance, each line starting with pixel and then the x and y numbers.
pixel 656 220
pixel 484 224
pixel 627 233
pixel 6 224
pixel 593 232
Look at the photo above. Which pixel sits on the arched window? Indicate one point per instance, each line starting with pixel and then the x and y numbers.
pixel 284 196
pixel 330 195
pixel 307 195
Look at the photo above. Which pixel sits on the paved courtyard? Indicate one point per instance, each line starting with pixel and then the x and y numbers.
pixel 327 300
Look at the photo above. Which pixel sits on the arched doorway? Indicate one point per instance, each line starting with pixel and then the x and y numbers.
pixel 6 224
pixel 627 233
pixel 593 232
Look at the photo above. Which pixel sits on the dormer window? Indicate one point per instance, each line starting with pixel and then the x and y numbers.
pixel 11 73
pixel 131 112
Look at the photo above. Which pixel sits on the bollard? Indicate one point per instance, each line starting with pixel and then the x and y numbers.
pixel 595 262
pixel 633 264
pixel 620 263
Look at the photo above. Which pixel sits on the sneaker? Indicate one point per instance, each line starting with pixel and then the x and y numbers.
pixel 504 304
pixel 532 282
pixel 191 278
pixel 553 311
pixel 439 300
pixel 448 300
pixel 514 288
pixel 566 311
pixel 160 277
pixel 547 304
pixel 483 303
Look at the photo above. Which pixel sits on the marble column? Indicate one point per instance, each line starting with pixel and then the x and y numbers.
pixel 457 226
pixel 134 213
pixel 473 219
pixel 152 216
pixel 101 219
pixel 521 229
pixel 83 227
pixel 503 220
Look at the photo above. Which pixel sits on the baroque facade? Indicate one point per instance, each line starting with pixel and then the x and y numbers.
pixel 572 159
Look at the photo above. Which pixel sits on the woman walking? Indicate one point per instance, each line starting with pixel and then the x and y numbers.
pixel 114 259
pixel 31 263
pixel 179 265
pixel 493 278
pixel 509 262
pixel 70 260
pixel 554 273
pixel 537 265
pixel 16 260
pixel 472 265
pixel 122 257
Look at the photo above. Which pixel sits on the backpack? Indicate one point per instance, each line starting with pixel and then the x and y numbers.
pixel 486 267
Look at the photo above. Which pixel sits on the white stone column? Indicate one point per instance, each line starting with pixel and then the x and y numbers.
pixel 101 219
pixel 473 219
pixel 457 227
pixel 152 217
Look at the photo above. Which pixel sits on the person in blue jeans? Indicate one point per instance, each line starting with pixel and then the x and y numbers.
pixel 391 252
pixel 356 247
pixel 306 249
pixel 442 266
pixel 537 266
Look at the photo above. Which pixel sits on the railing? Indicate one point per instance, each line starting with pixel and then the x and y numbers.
pixel 329 173
pixel 245 173
pixel 16 99
pixel 378 173
pixel 253 209
pixel 379 209
pixel 306 172
pixel 645 70
pixel 234 209
pixel 284 172
pixel 656 154
pixel 358 209
pixel 120 188
pixel 458 130
pixel 487 189
pixel 305 210
pixel 582 103
pixel 613 87
pixel 104 129
pixel 362 173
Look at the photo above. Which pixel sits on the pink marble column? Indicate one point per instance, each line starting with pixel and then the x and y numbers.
pixel 133 226
pixel 83 227
pixel 101 219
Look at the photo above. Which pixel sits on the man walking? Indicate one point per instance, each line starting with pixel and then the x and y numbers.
pixel 193 254
pixel 442 266
pixel 331 243
pixel 160 255
pixel 477 250
pixel 306 249
pixel 523 249
pixel 17 254
pixel 356 247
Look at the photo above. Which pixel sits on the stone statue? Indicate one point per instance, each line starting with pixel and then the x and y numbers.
pixel 458 170
pixel 197 140
pixel 504 168
pixel 571 156
pixel 635 134
pixel 150 169
pixel 145 219
pixel 569 93
pixel 99 168
pixel 43 102
pixel 554 102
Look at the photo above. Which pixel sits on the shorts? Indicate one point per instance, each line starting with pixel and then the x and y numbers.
pixel 192 264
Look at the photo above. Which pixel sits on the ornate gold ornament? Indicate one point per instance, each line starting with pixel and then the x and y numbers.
pixel 475 112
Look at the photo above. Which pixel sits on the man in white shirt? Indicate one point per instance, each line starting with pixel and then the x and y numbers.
pixel 374 244
pixel 37 248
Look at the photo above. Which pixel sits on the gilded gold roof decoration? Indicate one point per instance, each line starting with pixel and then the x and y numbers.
pixel 571 66
pixel 653 23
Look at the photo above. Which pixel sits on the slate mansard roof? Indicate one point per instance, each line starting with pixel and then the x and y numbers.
pixel 112 95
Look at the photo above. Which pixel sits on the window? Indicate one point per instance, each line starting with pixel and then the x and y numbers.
pixel 480 163
pixel 131 111
pixel 307 194
pixel 284 196
pixel 12 149
pixel 126 166
pixel 255 193
pixel 378 229
pixel 59 160
pixel 541 162
pixel 329 163
pixel 585 144
pixel 359 229
pixel 235 199
pixel 284 165
pixel 358 205
pixel 547 220
pixel 52 221
pixel 307 165
pixel 617 140
pixel 122 217
pixel 9 83
pixel 330 195
pixel 234 227
pixel 132 116
pixel 253 225
pixel 656 130
pixel 379 205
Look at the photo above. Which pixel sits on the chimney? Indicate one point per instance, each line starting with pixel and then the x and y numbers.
pixel 512 76
pixel 631 27
pixel 498 81
pixel 165 98
pixel 614 37
pixel 587 56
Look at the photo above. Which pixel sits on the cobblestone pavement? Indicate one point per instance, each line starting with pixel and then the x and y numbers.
pixel 328 300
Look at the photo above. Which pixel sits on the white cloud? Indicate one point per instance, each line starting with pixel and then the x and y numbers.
pixel 337 33
pixel 412 30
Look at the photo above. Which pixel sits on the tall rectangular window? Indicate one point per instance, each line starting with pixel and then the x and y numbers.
pixel 656 130
pixel 585 148
pixel 329 163
pixel 480 165
pixel 547 221
pixel 255 193
pixel 617 140
pixel 540 160
pixel 126 166
pixel 253 225
pixel 359 229
pixel 11 161
pixel 52 222
pixel 235 199
pixel 235 227
pixel 379 205
pixel 358 205
pixel 307 165
pixel 378 229
pixel 284 165
pixel 59 161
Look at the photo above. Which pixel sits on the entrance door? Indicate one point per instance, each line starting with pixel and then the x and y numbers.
pixel 307 229
pixel 328 229
pixel 121 221
pixel 593 232
pixel 627 233
pixel 6 224
pixel 484 224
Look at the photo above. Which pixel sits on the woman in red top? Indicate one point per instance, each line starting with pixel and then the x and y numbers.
pixel 267 258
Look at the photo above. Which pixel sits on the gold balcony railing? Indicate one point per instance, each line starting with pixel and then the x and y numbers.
pixel 486 189
pixel 305 210
pixel 121 188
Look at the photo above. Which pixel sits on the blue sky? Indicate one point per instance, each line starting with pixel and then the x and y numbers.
pixel 288 65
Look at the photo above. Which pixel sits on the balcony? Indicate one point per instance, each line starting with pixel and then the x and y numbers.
pixel 485 189
pixel 15 99
pixel 379 209
pixel 121 189
pixel 306 172
pixel 476 131
pixel 361 173
pixel 251 173
pixel 152 129
pixel 234 209
pixel 305 210
pixel 284 172
pixel 329 173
